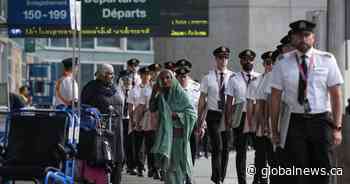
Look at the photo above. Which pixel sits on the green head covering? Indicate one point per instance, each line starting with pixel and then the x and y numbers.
pixel 174 100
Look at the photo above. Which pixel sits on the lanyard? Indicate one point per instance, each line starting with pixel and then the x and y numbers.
pixel 303 75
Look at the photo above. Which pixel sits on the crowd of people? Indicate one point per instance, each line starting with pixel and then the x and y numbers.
pixel 291 112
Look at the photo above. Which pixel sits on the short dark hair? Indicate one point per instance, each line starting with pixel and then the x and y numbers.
pixel 22 88
pixel 68 63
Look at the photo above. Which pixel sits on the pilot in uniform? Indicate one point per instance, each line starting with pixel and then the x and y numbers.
pixel 311 82
pixel 236 92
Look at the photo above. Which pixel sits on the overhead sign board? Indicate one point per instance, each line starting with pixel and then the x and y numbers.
pixel 120 12
pixel 44 13
pixel 132 18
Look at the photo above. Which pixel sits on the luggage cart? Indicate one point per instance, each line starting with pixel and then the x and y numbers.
pixel 39 146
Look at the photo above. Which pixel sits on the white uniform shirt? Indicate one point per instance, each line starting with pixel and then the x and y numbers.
pixel 140 95
pixel 125 96
pixel 65 89
pixel 193 93
pixel 238 85
pixel 252 90
pixel 210 86
pixel 264 88
pixel 135 78
pixel 323 73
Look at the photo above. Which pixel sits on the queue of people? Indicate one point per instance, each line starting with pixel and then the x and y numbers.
pixel 291 112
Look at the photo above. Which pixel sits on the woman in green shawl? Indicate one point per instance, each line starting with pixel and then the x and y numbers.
pixel 176 118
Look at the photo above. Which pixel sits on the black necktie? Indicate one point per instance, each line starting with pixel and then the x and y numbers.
pixel 249 78
pixel 302 81
pixel 125 110
pixel 133 80
pixel 222 87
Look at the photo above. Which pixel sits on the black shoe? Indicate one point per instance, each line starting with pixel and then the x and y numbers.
pixel 133 172
pixel 162 175
pixel 150 173
pixel 188 180
pixel 156 175
pixel 140 172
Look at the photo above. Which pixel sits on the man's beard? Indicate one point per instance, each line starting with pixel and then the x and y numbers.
pixel 303 47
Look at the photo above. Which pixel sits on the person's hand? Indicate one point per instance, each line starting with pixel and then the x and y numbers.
pixel 276 138
pixel 337 137
pixel 228 124
pixel 250 127
pixel 266 131
pixel 156 88
pixel 199 132
pixel 174 116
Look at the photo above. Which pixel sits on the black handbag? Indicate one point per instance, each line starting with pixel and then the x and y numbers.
pixel 103 152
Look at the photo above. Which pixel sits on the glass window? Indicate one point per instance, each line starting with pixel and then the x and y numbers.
pixel 87 43
pixel 142 44
pixel 2 8
pixel 108 42
pixel 3 94
pixel 87 74
pixel 58 42
pixel 3 61
pixel 117 69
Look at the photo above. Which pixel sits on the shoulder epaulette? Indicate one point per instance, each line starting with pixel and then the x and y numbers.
pixel 233 75
pixel 323 53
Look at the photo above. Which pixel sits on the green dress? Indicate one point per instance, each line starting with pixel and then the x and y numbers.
pixel 173 153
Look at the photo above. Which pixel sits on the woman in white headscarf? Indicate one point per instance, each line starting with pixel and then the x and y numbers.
pixel 103 93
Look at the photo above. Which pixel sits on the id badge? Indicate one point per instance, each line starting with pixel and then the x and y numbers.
pixel 307 107
pixel 221 105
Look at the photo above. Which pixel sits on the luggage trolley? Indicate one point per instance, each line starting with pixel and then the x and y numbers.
pixel 40 146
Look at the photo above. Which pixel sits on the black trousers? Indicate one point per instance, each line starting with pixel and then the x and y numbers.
pixel 125 140
pixel 117 174
pixel 241 143
pixel 220 146
pixel 263 156
pixel 277 159
pixel 130 151
pixel 193 145
pixel 309 145
pixel 149 141
pixel 139 152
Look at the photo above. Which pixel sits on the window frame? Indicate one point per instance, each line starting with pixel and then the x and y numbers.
pixel 3 11
pixel 140 51
pixel 122 48
pixel 111 49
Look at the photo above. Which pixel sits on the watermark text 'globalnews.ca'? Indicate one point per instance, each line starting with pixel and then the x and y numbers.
pixel 294 171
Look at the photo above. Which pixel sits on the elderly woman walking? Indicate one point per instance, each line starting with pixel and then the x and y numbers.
pixel 103 94
pixel 176 118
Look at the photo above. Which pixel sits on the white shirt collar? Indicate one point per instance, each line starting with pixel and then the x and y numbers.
pixel 252 73
pixel 225 71
pixel 308 53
